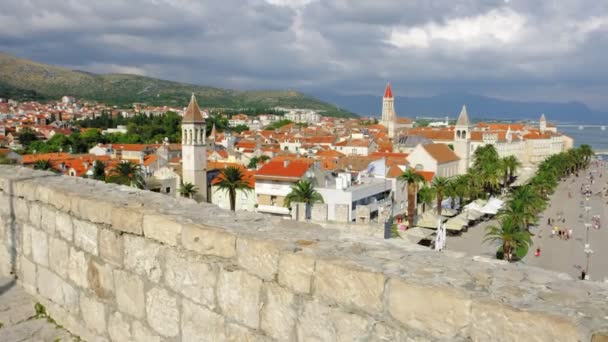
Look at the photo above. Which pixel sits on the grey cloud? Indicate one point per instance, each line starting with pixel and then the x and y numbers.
pixel 335 45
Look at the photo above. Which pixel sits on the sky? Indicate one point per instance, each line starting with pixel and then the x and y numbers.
pixel 545 50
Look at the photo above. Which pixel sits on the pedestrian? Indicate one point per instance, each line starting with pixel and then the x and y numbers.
pixel 583 275
pixel 537 253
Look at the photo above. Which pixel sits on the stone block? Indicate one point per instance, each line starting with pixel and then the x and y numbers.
pixel 111 246
pixel 295 272
pixel 101 279
pixel 27 275
pixel 319 212
pixel 93 314
pixel 213 328
pixel 238 333
pixel 77 268
pixel 163 229
pixel 238 295
pixel 383 333
pixel 140 333
pixel 143 257
pixel 342 213
pixel 59 256
pixel 48 219
pixel 129 293
pixel 162 312
pixel 118 328
pixel 85 236
pixel 192 277
pixel 363 214
pixel 63 225
pixel 417 306
pixel 129 220
pixel 208 242
pixel 349 285
pixel 278 315
pixel 35 213
pixel 259 257
pixel 20 209
pixel 499 322
pixel 321 323
pixel 302 211
pixel 52 287
pixel 26 235
pixel 91 209
pixel 40 247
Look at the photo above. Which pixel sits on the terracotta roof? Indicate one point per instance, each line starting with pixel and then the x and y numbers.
pixel 355 163
pixel 388 92
pixel 394 172
pixel 293 170
pixel 330 153
pixel 388 154
pixel 32 158
pixel 428 175
pixel 148 160
pixel 193 112
pixel 354 143
pixel 441 153
pixel 246 144
pixel 433 134
pixel 404 121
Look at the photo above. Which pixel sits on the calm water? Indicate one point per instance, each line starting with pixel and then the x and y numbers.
pixel 592 136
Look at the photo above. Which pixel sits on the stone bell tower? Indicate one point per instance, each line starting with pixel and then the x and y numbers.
pixel 194 150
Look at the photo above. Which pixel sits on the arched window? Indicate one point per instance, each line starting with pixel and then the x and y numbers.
pixel 464 134
pixel 458 134
pixel 419 167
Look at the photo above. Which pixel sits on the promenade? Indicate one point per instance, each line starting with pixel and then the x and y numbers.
pixel 567 256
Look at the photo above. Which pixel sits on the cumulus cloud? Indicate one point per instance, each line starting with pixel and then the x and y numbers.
pixel 548 50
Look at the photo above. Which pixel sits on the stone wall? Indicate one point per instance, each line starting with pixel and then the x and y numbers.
pixel 112 263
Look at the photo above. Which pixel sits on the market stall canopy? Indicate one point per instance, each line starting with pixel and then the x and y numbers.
pixel 447 212
pixel 417 234
pixel 454 225
pixel 429 220
pixel 492 207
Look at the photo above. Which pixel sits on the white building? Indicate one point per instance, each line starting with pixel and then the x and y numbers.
pixel 194 151
pixel 437 158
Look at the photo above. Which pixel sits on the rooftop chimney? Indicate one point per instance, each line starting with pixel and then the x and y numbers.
pixel 285 163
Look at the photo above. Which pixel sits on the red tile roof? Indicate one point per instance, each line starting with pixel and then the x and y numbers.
pixel 441 153
pixel 283 170
pixel 388 92
pixel 428 175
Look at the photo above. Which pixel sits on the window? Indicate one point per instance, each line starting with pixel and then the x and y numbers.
pixel 273 200
pixel 168 189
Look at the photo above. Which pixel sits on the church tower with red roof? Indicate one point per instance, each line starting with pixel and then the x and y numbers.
pixel 388 110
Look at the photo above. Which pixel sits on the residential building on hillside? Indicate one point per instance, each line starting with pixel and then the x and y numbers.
pixel 437 158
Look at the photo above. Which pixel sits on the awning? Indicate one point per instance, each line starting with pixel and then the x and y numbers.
pixel 447 212
pixel 429 220
pixel 416 234
pixel 454 225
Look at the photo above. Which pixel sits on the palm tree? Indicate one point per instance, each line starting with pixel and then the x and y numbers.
pixel 510 166
pixel 512 239
pixel 425 196
pixel 188 190
pixel 232 179
pixel 127 173
pixel 440 186
pixel 99 170
pixel 303 191
pixel 43 165
pixel 586 151
pixel 412 179
pixel 524 203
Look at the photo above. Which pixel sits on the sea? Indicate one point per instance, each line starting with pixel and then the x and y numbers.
pixel 593 136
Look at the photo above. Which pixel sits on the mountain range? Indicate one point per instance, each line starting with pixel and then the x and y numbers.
pixel 27 80
pixel 479 107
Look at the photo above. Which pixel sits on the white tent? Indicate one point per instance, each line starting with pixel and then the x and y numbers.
pixel 454 225
pixel 429 220
pixel 448 212
pixel 416 234
pixel 493 206
pixel 472 214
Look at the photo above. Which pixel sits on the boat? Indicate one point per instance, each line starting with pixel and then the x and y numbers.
pixel 603 128
pixel 580 127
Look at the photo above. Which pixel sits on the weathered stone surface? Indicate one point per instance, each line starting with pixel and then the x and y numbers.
pixel 27 239
pixel 63 225
pixel 129 293
pixel 101 279
pixel 162 228
pixel 142 334
pixel 20 209
pixel 59 256
pixel 118 328
pixel 191 277
pixel 85 236
pixel 238 333
pixel 111 246
pixel 385 333
pixel 208 242
pixel 349 285
pixel 239 297
pixel 278 313
pixel 192 330
pixel 78 268
pixel 417 306
pixel 321 323
pixel 162 312
pixel 143 257
pixel 260 257
pixel 128 220
pixel 295 272
pixel 40 247
pixel 516 324
pixel 35 213
pixel 47 221
pixel 28 275
pixel 93 313
pixel 56 289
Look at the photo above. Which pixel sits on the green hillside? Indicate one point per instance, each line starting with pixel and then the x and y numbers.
pixel 30 80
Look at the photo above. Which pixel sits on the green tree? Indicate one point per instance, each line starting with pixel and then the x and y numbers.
pixel 99 170
pixel 232 179
pixel 188 190
pixel 240 128
pixel 426 195
pixel 26 136
pixel 586 151
pixel 303 191
pixel 440 187
pixel 412 180
pixel 510 165
pixel 127 173
pixel 513 240
pixel 45 165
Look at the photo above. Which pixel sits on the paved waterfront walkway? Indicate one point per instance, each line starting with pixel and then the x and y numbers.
pixel 16 310
pixel 566 256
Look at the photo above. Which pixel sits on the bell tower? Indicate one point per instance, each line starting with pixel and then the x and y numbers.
pixel 194 151
pixel 462 140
